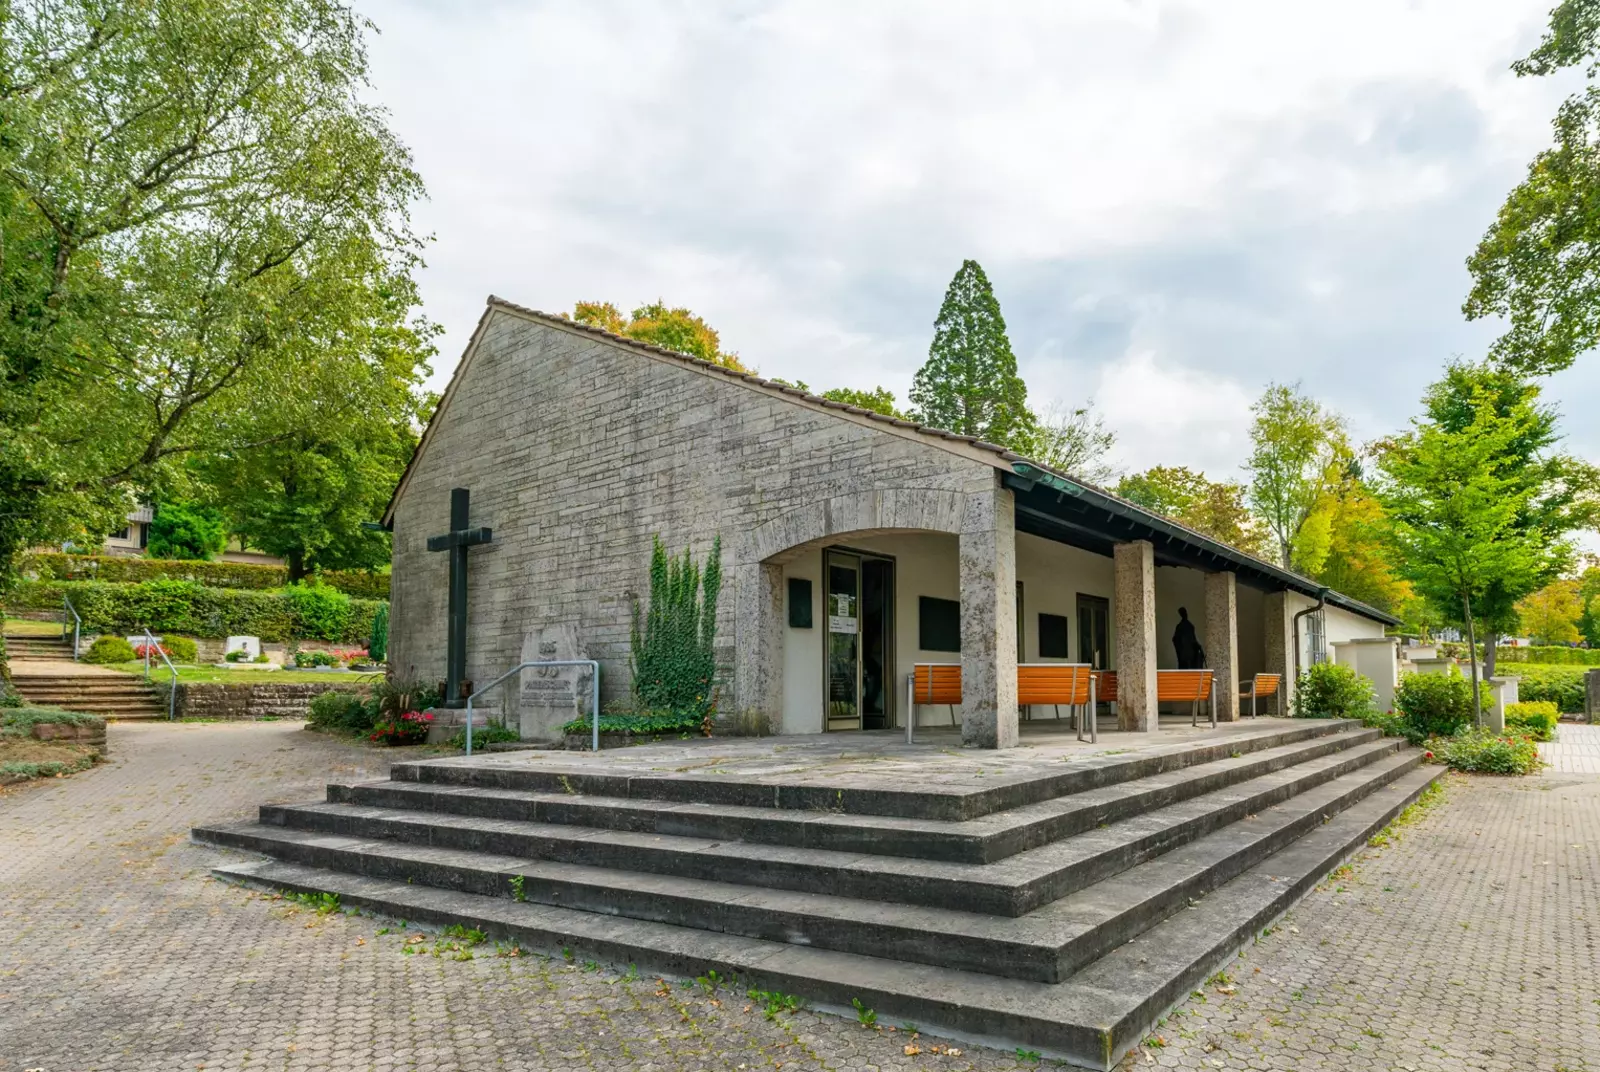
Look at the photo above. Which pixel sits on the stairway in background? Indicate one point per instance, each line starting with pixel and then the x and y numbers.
pixel 52 679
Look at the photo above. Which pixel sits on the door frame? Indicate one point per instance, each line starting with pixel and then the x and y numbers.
pixel 1086 600
pixel 891 620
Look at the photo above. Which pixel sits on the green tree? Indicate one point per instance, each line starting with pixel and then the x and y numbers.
pixel 1075 441
pixel 1212 508
pixel 878 400
pixel 1479 507
pixel 1345 544
pixel 671 328
pixel 1551 614
pixel 1589 601
pixel 1538 265
pixel 197 207
pixel 1299 451
pixel 969 384
pixel 186 530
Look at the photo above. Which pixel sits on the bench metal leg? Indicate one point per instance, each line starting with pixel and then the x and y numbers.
pixel 911 706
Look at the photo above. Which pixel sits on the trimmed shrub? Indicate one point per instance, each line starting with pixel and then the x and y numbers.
pixel 109 649
pixel 319 611
pixel 1537 718
pixel 483 736
pixel 378 646
pixel 126 569
pixel 181 649
pixel 1482 752
pixel 1560 685
pixel 19 721
pixel 1332 690
pixel 646 722
pixel 1436 705
pixel 170 606
pixel 183 530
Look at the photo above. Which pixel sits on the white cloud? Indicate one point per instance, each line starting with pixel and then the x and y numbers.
pixel 1177 202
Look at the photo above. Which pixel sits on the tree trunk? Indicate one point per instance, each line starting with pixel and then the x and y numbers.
pixel 1472 651
pixel 297 566
pixel 1491 644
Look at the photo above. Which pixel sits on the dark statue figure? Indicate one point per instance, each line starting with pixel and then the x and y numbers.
pixel 1191 656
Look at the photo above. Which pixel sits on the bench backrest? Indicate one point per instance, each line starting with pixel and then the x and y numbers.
pixel 1052 683
pixel 1265 684
pixel 1105 689
pixel 936 683
pixel 1179 685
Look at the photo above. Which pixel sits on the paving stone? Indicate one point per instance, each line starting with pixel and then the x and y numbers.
pixel 1474 931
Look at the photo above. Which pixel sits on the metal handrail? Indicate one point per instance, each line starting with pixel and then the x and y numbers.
pixel 77 625
pixel 172 693
pixel 595 682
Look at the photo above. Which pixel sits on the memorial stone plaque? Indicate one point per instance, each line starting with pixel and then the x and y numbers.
pixel 552 695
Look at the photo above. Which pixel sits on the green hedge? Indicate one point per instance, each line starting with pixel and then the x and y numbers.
pixel 1561 685
pixel 1546 655
pixel 197 610
pixel 123 569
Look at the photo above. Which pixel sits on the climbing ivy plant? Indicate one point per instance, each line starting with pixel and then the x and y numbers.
pixel 673 660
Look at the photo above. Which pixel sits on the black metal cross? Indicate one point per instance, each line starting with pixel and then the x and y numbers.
pixel 456 541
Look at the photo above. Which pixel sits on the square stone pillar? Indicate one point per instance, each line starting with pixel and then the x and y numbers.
pixel 1222 641
pixel 989 620
pixel 1279 643
pixel 1135 611
pixel 758 640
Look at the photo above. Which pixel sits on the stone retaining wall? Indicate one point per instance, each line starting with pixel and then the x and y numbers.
pixel 246 702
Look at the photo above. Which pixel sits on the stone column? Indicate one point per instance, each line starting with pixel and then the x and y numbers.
pixel 1279 645
pixel 1222 640
pixel 1591 699
pixel 989 620
pixel 758 640
pixel 1135 611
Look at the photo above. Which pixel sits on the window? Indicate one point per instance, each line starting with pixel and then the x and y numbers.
pixel 124 533
pixel 1316 639
pixel 938 624
pixel 1053 636
pixel 799 603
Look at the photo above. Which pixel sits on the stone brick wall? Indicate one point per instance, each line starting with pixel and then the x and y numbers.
pixel 577 450
pixel 245 702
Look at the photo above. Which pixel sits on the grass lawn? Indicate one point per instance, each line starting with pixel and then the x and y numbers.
pixel 23 627
pixel 212 674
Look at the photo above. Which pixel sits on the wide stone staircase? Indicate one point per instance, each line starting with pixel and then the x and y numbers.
pixel 44 648
pixel 1062 907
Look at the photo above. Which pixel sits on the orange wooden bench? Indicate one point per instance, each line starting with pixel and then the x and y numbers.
pixel 1193 687
pixel 1259 688
pixel 932 683
pixel 1054 684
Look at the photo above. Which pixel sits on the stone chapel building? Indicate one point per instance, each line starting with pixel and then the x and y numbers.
pixel 854 545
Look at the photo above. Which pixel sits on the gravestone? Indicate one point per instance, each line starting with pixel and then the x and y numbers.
pixel 251 646
pixel 552 695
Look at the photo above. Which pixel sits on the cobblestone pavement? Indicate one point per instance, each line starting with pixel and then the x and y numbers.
pixel 1576 749
pixel 1468 943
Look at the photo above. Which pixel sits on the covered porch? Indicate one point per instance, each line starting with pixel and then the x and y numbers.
pixel 1038 573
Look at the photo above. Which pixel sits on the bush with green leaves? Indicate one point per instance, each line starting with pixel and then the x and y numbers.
pixel 642 723
pixel 1332 690
pixel 19 721
pixel 109 649
pixel 674 658
pixel 126 569
pixel 181 648
pixel 1483 752
pixel 319 611
pixel 343 711
pixel 1537 718
pixel 1560 685
pixel 184 530
pixel 1436 705
pixel 183 607
pixel 378 645
pixel 483 736
pixel 395 698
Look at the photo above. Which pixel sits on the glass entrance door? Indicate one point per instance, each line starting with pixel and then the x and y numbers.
pixel 1094 631
pixel 860 641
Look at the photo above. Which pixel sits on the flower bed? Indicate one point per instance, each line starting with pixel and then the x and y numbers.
pixel 410 728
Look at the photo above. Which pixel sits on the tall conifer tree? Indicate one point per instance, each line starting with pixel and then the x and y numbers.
pixel 969 384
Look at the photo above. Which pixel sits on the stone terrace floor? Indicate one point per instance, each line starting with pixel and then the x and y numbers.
pixel 1469 942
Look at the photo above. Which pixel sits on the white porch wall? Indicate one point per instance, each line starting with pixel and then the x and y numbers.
pixel 1339 624
pixel 1178 586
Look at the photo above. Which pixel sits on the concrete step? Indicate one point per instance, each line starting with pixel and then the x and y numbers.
pixel 1011 887
pixel 983 840
pixel 1024 784
pixel 1090 1019
pixel 1047 945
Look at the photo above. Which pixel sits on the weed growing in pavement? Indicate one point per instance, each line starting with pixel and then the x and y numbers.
pixel 864 1016
pixel 774 1002
pixel 516 888
pixel 322 903
pixel 1030 1056
pixel 1430 799
pixel 710 982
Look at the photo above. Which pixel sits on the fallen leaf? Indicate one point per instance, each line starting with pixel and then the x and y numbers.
pixel 912 1050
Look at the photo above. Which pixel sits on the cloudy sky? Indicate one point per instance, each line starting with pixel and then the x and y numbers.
pixel 1177 202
